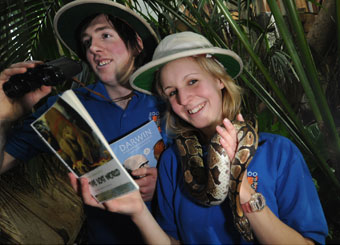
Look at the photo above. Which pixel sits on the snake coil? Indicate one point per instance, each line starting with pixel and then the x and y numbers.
pixel 211 182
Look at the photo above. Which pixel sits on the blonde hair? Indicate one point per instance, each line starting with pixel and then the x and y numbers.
pixel 231 96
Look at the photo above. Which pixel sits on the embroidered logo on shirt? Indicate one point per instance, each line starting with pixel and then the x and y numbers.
pixel 253 179
pixel 154 115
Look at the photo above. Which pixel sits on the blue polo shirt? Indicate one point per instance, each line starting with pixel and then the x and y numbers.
pixel 114 122
pixel 278 171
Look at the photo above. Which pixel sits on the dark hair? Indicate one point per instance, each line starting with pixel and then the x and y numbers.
pixel 126 33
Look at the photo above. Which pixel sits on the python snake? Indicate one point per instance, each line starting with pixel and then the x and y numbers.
pixel 209 184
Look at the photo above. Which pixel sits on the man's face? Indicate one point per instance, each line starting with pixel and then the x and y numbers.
pixel 105 50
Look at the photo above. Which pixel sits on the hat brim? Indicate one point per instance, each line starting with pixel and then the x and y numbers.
pixel 142 79
pixel 68 18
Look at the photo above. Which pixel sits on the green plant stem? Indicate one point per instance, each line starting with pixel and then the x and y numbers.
pixel 337 12
pixel 303 140
pixel 286 105
pixel 285 34
pixel 311 86
pixel 255 57
pixel 317 94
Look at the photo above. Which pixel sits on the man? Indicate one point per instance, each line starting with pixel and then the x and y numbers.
pixel 113 41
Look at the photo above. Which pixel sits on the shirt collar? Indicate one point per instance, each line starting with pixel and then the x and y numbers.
pixel 100 88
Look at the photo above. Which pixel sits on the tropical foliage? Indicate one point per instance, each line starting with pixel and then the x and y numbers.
pixel 293 91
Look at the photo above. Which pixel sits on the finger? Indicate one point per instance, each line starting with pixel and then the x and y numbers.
pixel 7 73
pixel 149 177
pixel 228 138
pixel 245 190
pixel 151 171
pixel 73 182
pixel 143 181
pixel 239 117
pixel 17 68
pixel 230 150
pixel 146 197
pixel 147 193
pixel 33 97
pixel 27 64
pixel 245 178
pixel 228 132
pixel 20 67
pixel 86 194
pixel 126 204
pixel 44 90
pixel 147 186
pixel 229 126
pixel 139 172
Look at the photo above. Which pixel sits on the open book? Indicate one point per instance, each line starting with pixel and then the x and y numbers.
pixel 70 132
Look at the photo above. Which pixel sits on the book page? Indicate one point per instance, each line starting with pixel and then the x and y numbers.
pixel 73 136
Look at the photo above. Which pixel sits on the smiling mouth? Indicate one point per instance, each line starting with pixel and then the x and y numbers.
pixel 104 62
pixel 196 109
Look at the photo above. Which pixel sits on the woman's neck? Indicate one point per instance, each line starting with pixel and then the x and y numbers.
pixel 209 132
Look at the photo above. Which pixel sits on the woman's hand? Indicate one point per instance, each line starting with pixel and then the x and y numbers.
pixel 229 136
pixel 129 204
pixel 229 143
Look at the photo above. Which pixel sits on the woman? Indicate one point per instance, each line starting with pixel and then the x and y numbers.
pixel 195 79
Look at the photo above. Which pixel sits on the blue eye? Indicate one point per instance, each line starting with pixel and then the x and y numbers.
pixel 172 93
pixel 193 81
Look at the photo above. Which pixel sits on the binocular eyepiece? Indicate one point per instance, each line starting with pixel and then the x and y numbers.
pixel 50 74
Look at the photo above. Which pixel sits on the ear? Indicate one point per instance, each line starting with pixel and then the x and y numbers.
pixel 140 43
pixel 220 84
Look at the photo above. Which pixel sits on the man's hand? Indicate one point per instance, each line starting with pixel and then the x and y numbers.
pixel 12 109
pixel 147 184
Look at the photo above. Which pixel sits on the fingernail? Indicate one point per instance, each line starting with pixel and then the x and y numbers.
pixel 226 120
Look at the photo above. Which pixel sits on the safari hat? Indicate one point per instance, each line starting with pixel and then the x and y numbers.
pixel 68 18
pixel 179 45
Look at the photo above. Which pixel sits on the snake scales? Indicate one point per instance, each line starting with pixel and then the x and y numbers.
pixel 210 183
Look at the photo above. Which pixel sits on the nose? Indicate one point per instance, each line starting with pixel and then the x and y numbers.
pixel 183 96
pixel 95 46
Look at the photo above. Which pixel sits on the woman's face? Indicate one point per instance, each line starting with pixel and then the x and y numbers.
pixel 106 52
pixel 194 94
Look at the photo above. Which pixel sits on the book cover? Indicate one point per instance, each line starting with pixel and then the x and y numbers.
pixel 70 132
pixel 141 148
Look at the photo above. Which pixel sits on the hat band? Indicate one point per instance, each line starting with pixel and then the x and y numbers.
pixel 175 51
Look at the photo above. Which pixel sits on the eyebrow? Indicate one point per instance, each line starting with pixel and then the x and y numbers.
pixel 101 28
pixel 166 88
pixel 184 78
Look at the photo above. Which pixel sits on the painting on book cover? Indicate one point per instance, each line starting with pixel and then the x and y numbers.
pixel 72 139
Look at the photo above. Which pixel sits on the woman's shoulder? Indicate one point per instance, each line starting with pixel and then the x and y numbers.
pixel 272 137
pixel 279 149
pixel 276 141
